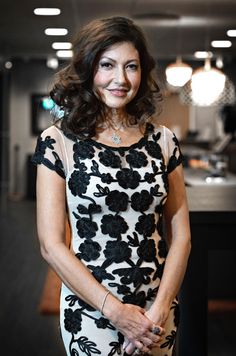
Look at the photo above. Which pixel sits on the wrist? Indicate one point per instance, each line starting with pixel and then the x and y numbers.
pixel 112 307
pixel 104 301
pixel 163 301
pixel 159 313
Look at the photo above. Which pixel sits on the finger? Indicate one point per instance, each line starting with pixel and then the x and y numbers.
pixel 143 348
pixel 147 342
pixel 126 343
pixel 157 330
pixel 130 348
pixel 150 344
pixel 154 338
pixel 139 352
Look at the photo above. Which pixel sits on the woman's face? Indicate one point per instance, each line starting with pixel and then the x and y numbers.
pixel 118 75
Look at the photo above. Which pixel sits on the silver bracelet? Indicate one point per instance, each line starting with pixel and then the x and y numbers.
pixel 104 301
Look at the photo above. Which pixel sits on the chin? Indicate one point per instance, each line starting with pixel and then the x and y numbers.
pixel 116 105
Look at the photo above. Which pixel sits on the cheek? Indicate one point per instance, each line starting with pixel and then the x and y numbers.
pixel 97 85
pixel 136 83
pixel 100 80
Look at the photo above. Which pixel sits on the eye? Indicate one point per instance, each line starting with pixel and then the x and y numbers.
pixel 105 65
pixel 132 66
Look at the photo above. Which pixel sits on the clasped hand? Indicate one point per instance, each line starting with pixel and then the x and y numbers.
pixel 140 332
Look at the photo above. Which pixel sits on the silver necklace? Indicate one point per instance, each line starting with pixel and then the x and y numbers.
pixel 116 138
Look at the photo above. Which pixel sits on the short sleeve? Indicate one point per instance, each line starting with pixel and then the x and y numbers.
pixel 173 154
pixel 48 151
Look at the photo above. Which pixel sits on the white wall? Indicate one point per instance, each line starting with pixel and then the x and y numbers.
pixel 207 121
pixel 28 77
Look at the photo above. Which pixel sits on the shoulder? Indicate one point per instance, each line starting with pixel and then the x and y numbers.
pixel 52 131
pixel 163 133
pixel 56 134
pixel 164 130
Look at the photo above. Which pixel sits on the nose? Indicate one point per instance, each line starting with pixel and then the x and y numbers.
pixel 120 76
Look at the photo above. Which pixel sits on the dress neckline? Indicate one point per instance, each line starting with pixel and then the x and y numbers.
pixel 140 143
pixel 99 144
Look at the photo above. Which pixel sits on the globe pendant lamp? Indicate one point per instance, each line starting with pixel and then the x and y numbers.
pixel 207 84
pixel 178 73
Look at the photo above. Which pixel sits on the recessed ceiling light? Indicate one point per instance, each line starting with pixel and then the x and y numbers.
pixel 47 11
pixel 56 31
pixel 8 64
pixel 219 62
pixel 231 33
pixel 64 54
pixel 52 62
pixel 62 45
pixel 203 54
pixel 221 44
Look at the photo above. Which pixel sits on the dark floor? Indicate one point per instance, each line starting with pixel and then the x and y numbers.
pixel 23 331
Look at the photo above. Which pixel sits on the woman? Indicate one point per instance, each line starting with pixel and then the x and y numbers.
pixel 119 177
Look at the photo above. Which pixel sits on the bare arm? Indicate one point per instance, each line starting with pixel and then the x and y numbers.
pixel 51 215
pixel 178 235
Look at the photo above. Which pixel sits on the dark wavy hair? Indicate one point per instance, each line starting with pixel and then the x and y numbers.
pixel 73 86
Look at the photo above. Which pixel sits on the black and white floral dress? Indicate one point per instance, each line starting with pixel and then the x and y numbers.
pixel 115 199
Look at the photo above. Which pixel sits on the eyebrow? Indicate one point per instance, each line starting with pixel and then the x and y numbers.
pixel 113 60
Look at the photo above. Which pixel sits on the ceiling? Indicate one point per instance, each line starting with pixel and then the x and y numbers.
pixel 173 27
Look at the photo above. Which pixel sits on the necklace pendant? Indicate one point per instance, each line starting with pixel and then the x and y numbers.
pixel 116 138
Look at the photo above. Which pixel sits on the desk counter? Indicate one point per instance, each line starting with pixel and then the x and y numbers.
pixel 213 226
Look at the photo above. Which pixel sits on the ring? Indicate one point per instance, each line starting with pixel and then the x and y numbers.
pixel 137 352
pixel 156 330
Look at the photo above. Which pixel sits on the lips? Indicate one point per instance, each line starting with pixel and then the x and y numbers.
pixel 118 92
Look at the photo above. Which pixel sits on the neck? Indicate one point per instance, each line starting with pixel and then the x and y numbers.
pixel 116 118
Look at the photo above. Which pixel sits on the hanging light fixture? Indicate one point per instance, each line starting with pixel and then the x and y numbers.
pixel 178 73
pixel 207 84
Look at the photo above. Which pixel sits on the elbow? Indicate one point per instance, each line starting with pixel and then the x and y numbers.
pixel 47 251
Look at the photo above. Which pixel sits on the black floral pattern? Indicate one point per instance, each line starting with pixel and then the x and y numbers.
pixel 113 225
pixel 72 320
pixel 147 250
pixel 85 227
pixel 110 159
pixel 117 251
pixel 136 299
pixel 87 347
pixel 89 250
pixel 106 178
pixel 141 201
pixel 146 225
pixel 135 275
pixel 100 273
pixel 170 340
pixel 39 156
pixel 115 200
pixel 127 178
pixel 175 307
pixel 78 182
pixel 162 248
pixel 83 150
pixel 102 323
pixel 137 159
pixel 154 149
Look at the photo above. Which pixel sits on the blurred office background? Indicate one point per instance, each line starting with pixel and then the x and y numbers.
pixel 187 36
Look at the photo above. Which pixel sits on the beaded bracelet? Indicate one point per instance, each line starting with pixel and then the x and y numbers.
pixel 104 301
